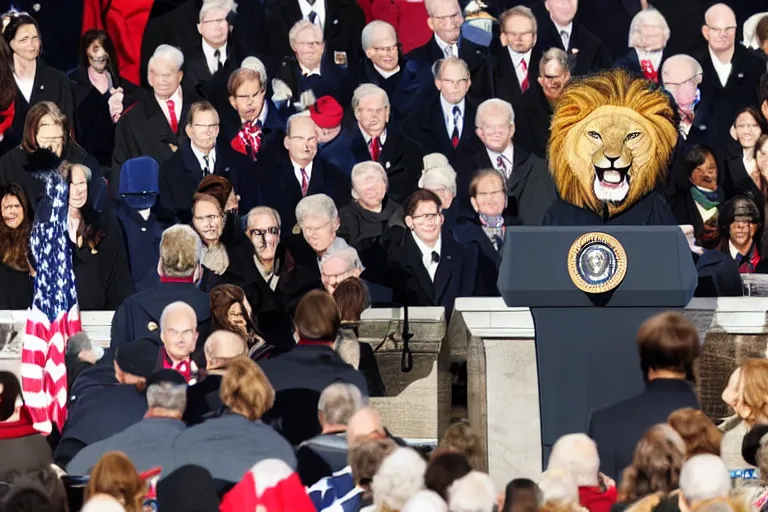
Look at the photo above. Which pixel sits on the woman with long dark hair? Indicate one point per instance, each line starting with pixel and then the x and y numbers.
pixel 230 311
pixel 15 271
pixel 101 95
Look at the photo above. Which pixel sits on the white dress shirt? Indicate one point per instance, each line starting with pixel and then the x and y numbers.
pixel 297 172
pixel 568 29
pixel 318 7
pixel 654 57
pixel 210 59
pixel 386 74
pixel 199 155
pixel 448 115
pixel 723 70
pixel 508 155
pixel 367 137
pixel 309 72
pixel 25 86
pixel 444 47
pixel 177 104
pixel 426 254
pixel 516 59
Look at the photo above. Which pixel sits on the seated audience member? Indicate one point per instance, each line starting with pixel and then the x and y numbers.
pixel 525 175
pixel 741 233
pixel 318 219
pixel 154 126
pixel 462 438
pixel 559 492
pixel 443 122
pixel 92 415
pixel 148 443
pixel 317 322
pixel 29 496
pixel 443 469
pixel 208 221
pixel 747 390
pixel 429 267
pixel 102 503
pixel 398 478
pixel 102 276
pixel 101 95
pixel 485 228
pixel 513 68
pixel 334 144
pixel 23 448
pixel 535 109
pixel 269 485
pixel 16 272
pixel 701 197
pixel 668 346
pixel 232 442
pixel 384 67
pixel 577 454
pixel 655 468
pixel 326 453
pixel 648 36
pixel 179 269
pixel 438 176
pixel 268 273
pixel 310 68
pixel 474 491
pixel 425 501
pixel 220 348
pixel 300 174
pixel 141 230
pixel 338 266
pixel 372 214
pixel 81 354
pixel 351 296
pixel 223 190
pixel 741 174
pixel 178 334
pixel 704 478
pixel 47 143
pixel 521 495
pixel 115 475
pixel 231 311
pixel 700 433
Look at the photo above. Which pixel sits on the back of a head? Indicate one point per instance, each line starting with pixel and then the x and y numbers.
pixel 444 469
pixel 474 492
pixel 462 438
pixel 523 494
pixel 351 297
pixel 189 488
pixel 557 485
pixel 577 454
pixel 339 402
pixel 365 459
pixel 365 423
pixel 317 317
pixel 656 464
pixel 225 345
pixel 399 478
pixel 114 474
pixel 245 389
pixel 27 498
pixel 11 391
pixel 700 433
pixel 180 251
pixel 668 341
pixel 102 503
pixel 704 477
pixel 425 501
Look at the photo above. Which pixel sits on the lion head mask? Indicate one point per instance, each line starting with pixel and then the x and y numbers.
pixel 611 141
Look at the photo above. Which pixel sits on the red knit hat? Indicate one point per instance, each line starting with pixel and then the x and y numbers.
pixel 272 485
pixel 326 112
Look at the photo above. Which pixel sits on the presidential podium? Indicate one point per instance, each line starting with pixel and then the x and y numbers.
pixel 585 340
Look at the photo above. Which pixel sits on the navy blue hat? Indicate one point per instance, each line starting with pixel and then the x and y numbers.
pixel 139 182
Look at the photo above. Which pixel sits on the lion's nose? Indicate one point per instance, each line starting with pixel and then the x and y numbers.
pixel 612 159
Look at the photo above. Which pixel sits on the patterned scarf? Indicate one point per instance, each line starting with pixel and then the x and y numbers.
pixel 248 139
pixel 493 226
pixel 748 262
pixel 707 199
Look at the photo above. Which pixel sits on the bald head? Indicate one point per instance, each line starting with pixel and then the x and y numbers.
pixel 364 425
pixel 222 346
pixel 720 28
pixel 178 330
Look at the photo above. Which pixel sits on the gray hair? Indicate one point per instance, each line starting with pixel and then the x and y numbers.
pixel 256 65
pixel 301 26
pixel 577 454
pixel 429 5
pixel 554 54
pixel 167 395
pixel 78 342
pixel 362 170
pixel 494 105
pixel 316 205
pixel 437 173
pixel 262 210
pixel 522 11
pixel 182 234
pixel 438 66
pixel 366 90
pixel 474 492
pixel 170 308
pixel 678 59
pixel 168 53
pixel 370 30
pixel 559 486
pixel 704 477
pixel 400 476
pixel 224 339
pixel 339 402
pixel 289 122
pixel 86 170
pixel 347 254
pixel 645 17
pixel 209 5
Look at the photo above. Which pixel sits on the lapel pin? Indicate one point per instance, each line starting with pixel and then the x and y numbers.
pixel 448 257
pixel 336 21
pixel 36 7
pixel 387 165
pixel 143 228
pixel 740 75
pixel 296 230
pixel 702 127
pixel 152 326
pixel 42 87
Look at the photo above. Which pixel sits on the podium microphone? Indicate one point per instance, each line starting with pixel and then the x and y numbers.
pixel 406 362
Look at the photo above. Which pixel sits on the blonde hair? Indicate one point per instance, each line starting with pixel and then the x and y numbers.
pixel 116 476
pixel 754 376
pixel 246 390
pixel 180 251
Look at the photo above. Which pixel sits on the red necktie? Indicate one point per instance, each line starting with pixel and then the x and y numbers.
pixel 250 135
pixel 304 182
pixel 649 71
pixel 375 149
pixel 172 114
pixel 455 134
pixel 524 84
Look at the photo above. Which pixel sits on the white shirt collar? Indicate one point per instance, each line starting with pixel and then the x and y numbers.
pixel 508 154
pixel 318 7
pixel 386 74
pixel 568 28
pixel 723 70
pixel 448 108
pixel 517 57
pixel 307 71
pixel 209 50
pixel 426 253
pixel 199 155
pixel 733 250
pixel 297 170
pixel 176 97
pixel 367 137
pixel 443 45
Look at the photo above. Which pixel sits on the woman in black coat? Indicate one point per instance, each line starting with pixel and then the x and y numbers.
pixel 102 276
pixel 101 95
pixel 35 81
pixel 15 228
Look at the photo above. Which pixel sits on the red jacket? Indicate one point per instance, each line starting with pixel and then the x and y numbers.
pixel 595 500
pixel 408 18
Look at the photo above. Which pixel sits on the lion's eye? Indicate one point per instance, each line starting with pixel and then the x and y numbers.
pixel 632 135
pixel 594 135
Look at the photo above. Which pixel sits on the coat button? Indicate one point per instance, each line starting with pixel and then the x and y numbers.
pixel 143 229
pixel 36 7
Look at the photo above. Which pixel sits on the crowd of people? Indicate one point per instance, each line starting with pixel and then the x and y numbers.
pixel 278 168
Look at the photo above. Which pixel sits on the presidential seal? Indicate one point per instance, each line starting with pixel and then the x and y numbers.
pixel 597 262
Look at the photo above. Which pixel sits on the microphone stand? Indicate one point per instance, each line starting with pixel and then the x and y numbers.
pixel 406 362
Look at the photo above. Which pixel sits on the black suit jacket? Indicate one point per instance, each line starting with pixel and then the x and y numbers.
pixel 333 80
pixel 344 22
pixel 197 75
pixel 534 114
pixel 400 156
pixel 426 125
pixel 631 62
pixel 144 131
pixel 506 85
pixel 404 89
pixel 609 20
pixel 592 54
pixel 617 428
pixel 472 53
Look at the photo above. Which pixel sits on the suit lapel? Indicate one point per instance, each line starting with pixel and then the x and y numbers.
pixel 288 182
pixel 507 72
pixel 318 179
pixel 519 171
pixel 333 13
pixel 191 163
pixel 358 146
pixel 157 121
pixel 414 261
pixel 468 121
pixel 444 269
pixel 439 129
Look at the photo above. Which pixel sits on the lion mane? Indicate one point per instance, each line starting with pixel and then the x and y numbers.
pixel 612 122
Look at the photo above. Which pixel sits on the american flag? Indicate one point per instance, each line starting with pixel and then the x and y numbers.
pixel 54 315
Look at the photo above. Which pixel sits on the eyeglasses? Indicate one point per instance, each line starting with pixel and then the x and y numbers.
pixel 373 111
pixel 248 96
pixel 298 138
pixel 218 21
pixel 79 185
pixel 520 34
pixel 11 207
pixel 424 218
pixel 207 218
pixel 690 82
pixel 721 30
pixel 274 231
pixel 50 140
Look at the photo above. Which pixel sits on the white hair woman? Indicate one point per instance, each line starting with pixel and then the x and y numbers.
pixel 439 177
pixel 372 214
pixel 648 36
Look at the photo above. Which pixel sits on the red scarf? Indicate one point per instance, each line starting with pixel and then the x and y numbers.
pixel 304 342
pixel 19 428
pixel 183 367
pixel 166 279
pixel 248 139
pixel 595 500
